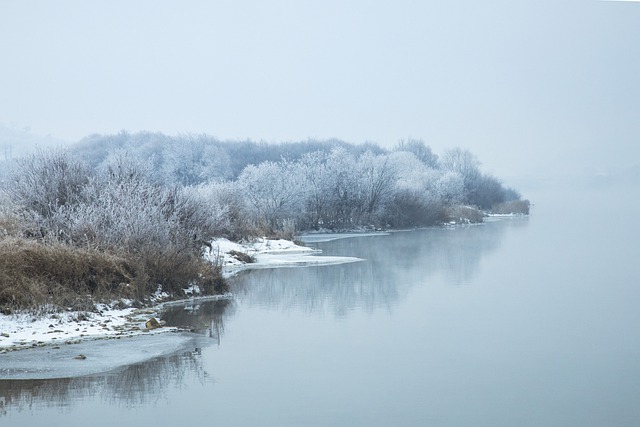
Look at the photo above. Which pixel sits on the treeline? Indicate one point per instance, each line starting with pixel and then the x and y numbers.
pixel 197 159
pixel 312 184
pixel 129 212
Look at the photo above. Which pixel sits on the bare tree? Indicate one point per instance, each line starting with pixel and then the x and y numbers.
pixel 419 149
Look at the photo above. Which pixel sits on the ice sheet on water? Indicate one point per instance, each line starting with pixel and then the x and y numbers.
pixel 100 356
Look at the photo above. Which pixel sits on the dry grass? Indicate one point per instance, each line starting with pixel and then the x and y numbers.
pixel 174 270
pixel 464 215
pixel 35 275
pixel 243 257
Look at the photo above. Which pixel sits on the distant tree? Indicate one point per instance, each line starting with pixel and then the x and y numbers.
pixel 193 160
pixel 419 149
pixel 318 181
pixel 488 191
pixel 273 192
pixel 95 148
pixel 223 204
pixel 342 184
pixel 510 194
pixel 121 166
pixel 376 178
pixel 449 188
pixel 462 162
pixel 466 164
pixel 408 205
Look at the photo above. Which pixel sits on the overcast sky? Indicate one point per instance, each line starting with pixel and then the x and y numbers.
pixel 526 85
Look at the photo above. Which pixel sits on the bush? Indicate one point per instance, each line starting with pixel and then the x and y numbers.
pixel 175 270
pixel 45 181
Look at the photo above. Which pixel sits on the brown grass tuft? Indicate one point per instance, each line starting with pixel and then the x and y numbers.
pixel 34 275
pixel 464 215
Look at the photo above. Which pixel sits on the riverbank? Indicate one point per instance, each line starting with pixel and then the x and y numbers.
pixel 27 330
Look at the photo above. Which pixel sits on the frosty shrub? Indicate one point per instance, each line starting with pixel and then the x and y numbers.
pixel 218 203
pixel 273 191
pixel 47 180
pixel 10 223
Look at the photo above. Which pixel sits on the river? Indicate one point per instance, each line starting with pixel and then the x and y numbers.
pixel 525 321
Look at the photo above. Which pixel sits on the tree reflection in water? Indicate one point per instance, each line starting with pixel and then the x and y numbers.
pixel 135 385
pixel 201 316
pixel 393 263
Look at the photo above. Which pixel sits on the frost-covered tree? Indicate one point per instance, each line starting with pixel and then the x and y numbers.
pixel 420 150
pixel 222 203
pixel 317 179
pixel 342 182
pixel 376 180
pixel 47 180
pixel 462 162
pixel 416 200
pixel 193 160
pixel 467 165
pixel 273 192
pixel 123 166
pixel 449 188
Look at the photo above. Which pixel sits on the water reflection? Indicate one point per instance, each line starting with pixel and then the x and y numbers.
pixel 393 263
pixel 135 385
pixel 201 316
pixel 138 384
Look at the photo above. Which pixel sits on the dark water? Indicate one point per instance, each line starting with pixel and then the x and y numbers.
pixel 517 322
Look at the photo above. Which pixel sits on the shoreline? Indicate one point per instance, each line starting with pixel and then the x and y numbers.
pixel 71 344
pixel 29 330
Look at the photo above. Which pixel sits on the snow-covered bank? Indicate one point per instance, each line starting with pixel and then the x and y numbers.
pixel 268 253
pixel 25 330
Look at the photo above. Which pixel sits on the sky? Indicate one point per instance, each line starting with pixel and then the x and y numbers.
pixel 530 87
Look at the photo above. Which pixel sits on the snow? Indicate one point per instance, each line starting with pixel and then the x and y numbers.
pixel 24 330
pixel 268 253
pixel 327 237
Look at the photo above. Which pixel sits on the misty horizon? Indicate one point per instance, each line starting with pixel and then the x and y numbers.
pixel 531 87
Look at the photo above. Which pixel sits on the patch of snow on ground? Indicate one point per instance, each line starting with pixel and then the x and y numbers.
pixel 268 253
pixel 327 237
pixel 20 331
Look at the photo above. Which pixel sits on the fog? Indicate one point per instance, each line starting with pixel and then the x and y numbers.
pixel 534 88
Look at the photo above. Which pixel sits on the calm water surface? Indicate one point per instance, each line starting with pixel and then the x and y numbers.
pixel 524 321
